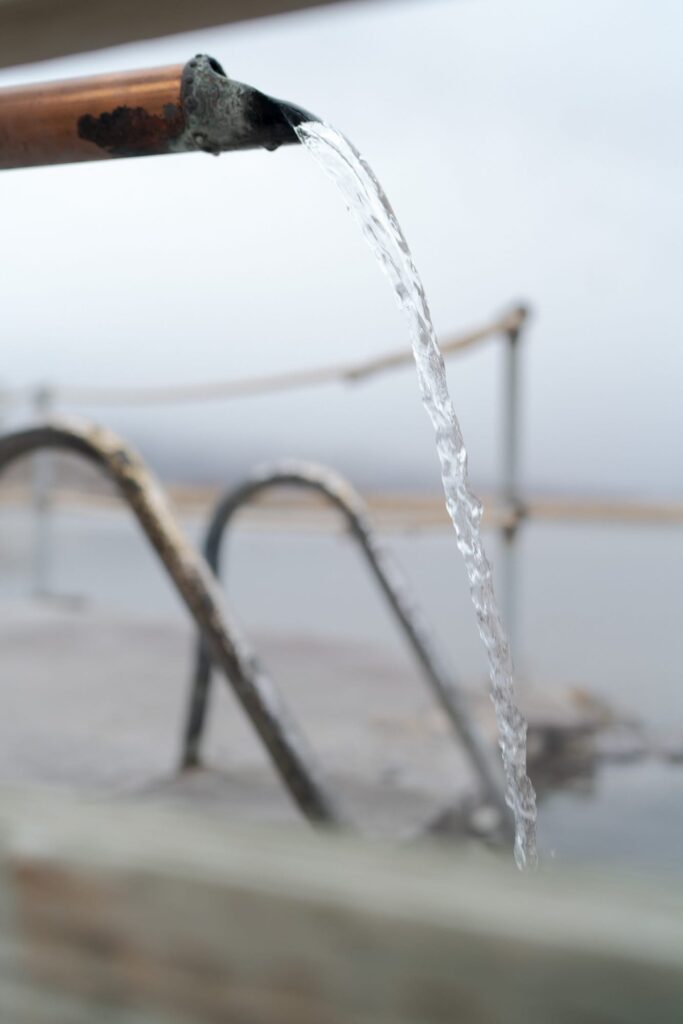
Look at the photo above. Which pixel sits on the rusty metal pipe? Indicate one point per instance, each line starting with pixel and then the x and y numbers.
pixel 178 109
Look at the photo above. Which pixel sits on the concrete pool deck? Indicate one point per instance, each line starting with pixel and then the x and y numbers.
pixel 94 701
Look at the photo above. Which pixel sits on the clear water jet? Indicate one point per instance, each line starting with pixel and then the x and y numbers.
pixel 368 204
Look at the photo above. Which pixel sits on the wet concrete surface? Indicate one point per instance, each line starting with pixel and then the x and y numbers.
pixel 95 702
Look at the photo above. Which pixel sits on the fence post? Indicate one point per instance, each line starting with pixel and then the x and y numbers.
pixel 513 505
pixel 42 485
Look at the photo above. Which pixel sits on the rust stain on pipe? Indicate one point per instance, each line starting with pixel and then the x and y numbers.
pixel 178 109
pixel 132 131
pixel 133 113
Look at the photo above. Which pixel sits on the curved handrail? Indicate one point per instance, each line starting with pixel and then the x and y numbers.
pixel 340 494
pixel 203 598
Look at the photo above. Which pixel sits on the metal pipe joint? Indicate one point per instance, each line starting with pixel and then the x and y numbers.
pixel 176 109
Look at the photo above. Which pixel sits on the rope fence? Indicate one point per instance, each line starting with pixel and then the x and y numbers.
pixel 505 512
pixel 264 384
pixel 44 401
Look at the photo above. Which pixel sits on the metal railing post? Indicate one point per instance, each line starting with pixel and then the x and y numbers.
pixel 514 508
pixel 43 479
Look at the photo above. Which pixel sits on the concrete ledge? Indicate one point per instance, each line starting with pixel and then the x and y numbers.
pixel 156 916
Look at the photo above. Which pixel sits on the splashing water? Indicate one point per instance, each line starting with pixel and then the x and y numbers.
pixel 370 207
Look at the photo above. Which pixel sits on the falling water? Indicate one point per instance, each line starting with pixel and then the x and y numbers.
pixel 370 207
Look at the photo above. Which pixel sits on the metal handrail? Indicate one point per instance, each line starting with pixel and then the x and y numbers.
pixel 194 582
pixel 341 495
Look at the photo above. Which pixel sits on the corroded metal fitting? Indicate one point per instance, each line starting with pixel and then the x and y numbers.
pixel 222 114
pixel 149 112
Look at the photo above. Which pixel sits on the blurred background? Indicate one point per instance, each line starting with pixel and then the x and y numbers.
pixel 532 153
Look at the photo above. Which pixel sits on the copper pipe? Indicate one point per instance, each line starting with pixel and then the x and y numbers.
pixel 48 123
pixel 139 113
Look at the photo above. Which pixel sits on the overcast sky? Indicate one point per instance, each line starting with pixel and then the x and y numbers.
pixel 532 151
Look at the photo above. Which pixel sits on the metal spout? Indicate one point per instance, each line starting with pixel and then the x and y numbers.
pixel 224 115
pixel 176 109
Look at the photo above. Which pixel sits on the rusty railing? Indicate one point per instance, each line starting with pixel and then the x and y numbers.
pixel 192 579
pixel 346 500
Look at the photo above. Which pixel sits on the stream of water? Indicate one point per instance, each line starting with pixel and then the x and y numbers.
pixel 370 207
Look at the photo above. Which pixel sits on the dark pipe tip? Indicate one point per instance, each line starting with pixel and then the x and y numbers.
pixel 276 120
pixel 272 121
pixel 213 64
pixel 295 115
pixel 223 114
